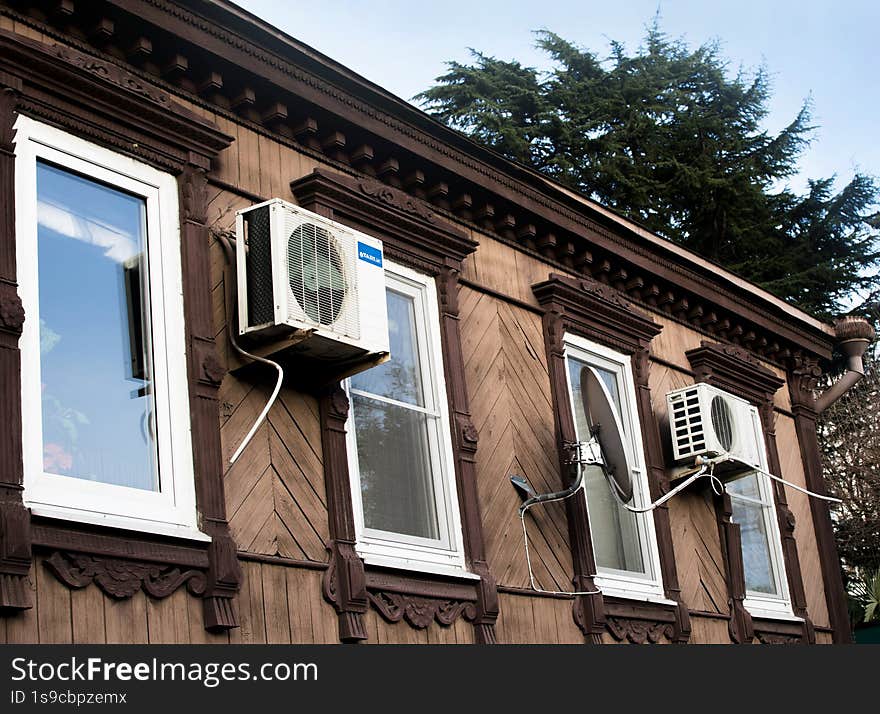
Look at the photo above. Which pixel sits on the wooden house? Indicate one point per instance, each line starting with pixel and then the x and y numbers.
pixel 377 508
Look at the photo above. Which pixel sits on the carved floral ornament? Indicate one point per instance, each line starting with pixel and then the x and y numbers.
pixel 11 312
pixel 396 199
pixel 121 578
pixel 420 611
pixel 639 632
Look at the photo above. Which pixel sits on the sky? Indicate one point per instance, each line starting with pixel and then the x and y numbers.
pixel 825 50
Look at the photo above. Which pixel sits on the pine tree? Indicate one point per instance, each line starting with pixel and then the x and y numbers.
pixel 669 137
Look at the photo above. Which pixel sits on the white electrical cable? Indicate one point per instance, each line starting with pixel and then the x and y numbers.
pixel 522 516
pixel 717 486
pixel 230 301
pixel 813 494
pixel 262 417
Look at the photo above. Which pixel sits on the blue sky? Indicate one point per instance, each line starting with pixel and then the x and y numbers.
pixel 827 50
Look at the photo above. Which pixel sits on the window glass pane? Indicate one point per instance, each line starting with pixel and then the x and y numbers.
pixel 400 377
pixel 745 486
pixel 755 547
pixel 395 468
pixel 616 538
pixel 95 354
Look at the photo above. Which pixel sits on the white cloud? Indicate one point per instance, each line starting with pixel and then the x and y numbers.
pixel 119 245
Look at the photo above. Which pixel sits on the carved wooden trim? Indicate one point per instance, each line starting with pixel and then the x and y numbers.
pixel 419 611
pixel 464 439
pixel 344 583
pixel 735 370
pixel 421 600
pixel 588 611
pixel 658 483
pixel 602 313
pixel 738 371
pixel 803 376
pixel 205 374
pixel 15 545
pixel 98 99
pixel 642 622
pixel 774 632
pixel 121 579
pixel 599 312
pixel 739 625
pixel 413 235
pixel 639 632
pixel 405 224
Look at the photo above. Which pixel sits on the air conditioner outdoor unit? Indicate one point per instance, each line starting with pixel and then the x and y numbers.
pixel 304 275
pixel 707 421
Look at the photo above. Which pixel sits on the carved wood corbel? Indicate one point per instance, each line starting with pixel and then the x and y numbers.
pixel 344 584
pixel 205 370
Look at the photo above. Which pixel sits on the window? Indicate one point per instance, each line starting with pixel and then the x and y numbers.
pixel 400 450
pixel 624 543
pixel 106 426
pixel 754 509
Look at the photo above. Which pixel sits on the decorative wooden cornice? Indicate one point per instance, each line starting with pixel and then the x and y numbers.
pixel 265 75
pixel 412 230
pixel 735 370
pixel 95 90
pixel 597 311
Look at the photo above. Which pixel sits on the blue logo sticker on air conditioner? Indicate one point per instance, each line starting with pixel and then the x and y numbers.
pixel 370 254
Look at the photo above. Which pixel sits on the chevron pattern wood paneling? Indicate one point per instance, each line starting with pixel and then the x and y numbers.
pixel 275 496
pixel 509 388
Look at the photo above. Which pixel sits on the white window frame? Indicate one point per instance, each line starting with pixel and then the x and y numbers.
pixel 761 604
pixel 614 582
pixel 172 509
pixel 446 555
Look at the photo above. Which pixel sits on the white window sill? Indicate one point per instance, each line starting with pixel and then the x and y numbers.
pixel 419 566
pixel 783 614
pixel 635 596
pixel 172 530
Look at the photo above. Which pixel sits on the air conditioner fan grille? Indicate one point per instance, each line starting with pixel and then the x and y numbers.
pixel 322 276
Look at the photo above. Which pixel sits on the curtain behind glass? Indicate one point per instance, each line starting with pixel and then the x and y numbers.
pixel 394 440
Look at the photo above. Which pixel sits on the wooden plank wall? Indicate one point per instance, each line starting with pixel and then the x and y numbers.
pixel 275 493
pixel 508 383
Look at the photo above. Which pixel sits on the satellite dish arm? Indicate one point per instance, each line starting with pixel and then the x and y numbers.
pixel 556 495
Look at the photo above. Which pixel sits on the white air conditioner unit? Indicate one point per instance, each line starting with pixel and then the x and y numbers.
pixel 707 421
pixel 300 273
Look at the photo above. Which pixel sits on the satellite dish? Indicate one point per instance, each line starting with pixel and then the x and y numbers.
pixel 605 424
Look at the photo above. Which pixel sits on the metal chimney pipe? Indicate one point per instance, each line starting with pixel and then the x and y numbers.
pixel 854 334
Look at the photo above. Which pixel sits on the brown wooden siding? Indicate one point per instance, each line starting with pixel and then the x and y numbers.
pixel 506 371
pixel 275 493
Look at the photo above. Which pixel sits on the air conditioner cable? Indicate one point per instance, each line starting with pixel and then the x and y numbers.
pixel 231 301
